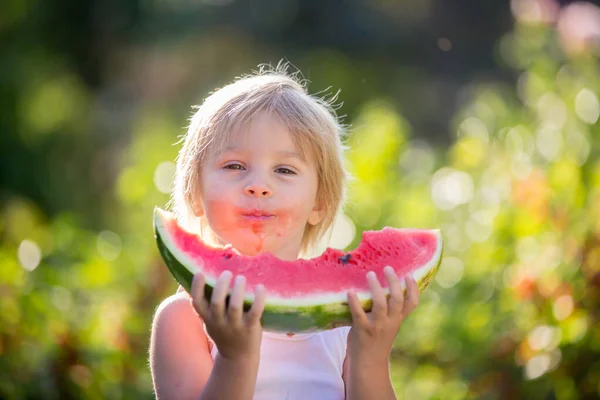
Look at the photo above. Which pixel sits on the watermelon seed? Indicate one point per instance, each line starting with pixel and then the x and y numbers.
pixel 345 259
pixel 227 256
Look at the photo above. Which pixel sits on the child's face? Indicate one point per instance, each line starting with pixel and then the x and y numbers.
pixel 258 194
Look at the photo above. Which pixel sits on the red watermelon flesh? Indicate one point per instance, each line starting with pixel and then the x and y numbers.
pixel 414 252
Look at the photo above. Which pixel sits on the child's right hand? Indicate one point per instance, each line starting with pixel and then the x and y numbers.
pixel 237 334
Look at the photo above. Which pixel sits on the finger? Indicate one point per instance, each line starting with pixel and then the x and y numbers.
pixel 258 306
pixel 236 301
pixel 197 296
pixel 359 316
pixel 378 295
pixel 396 300
pixel 217 300
pixel 412 297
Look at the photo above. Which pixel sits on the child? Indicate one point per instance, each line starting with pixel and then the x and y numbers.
pixel 261 169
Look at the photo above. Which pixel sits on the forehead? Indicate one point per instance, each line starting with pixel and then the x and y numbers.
pixel 264 131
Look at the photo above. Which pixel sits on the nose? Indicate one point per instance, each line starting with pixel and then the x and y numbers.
pixel 257 190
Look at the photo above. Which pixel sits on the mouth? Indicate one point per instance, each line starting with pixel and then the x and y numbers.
pixel 257 215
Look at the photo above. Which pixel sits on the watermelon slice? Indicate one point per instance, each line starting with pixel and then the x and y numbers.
pixel 303 295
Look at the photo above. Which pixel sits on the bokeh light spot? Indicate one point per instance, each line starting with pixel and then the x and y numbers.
pixel 587 106
pixel 109 245
pixel 444 44
pixel 451 188
pixel 163 176
pixel 552 110
pixel 29 254
pixel 474 127
pixel 537 366
pixel 563 307
pixel 579 145
pixel 534 11
pixel 549 142
pixel 450 272
pixel 544 337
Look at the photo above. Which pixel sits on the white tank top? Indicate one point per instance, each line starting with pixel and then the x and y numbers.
pixel 300 367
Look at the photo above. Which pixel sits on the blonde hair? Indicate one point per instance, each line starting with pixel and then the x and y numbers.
pixel 312 121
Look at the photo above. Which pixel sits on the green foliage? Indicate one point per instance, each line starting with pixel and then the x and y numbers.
pixel 513 312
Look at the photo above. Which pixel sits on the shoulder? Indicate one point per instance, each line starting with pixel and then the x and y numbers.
pixel 179 355
pixel 177 326
pixel 176 311
pixel 177 305
pixel 175 301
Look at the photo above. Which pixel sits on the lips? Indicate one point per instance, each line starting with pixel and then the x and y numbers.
pixel 257 215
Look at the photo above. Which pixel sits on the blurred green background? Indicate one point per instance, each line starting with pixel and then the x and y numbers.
pixel 480 118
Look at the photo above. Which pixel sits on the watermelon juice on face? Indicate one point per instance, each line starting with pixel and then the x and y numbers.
pixel 259 182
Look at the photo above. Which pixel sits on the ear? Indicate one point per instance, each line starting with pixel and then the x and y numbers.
pixel 316 215
pixel 197 208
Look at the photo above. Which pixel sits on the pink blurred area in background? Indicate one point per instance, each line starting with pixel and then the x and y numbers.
pixel 577 24
pixel 579 28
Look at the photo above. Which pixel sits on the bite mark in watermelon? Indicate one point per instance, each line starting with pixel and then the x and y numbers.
pixel 303 295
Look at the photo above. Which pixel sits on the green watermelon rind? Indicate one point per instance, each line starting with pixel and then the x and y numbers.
pixel 306 314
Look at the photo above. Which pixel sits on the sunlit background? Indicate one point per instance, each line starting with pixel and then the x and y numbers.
pixel 480 118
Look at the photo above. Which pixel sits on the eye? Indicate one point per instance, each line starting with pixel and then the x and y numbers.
pixel 235 167
pixel 285 171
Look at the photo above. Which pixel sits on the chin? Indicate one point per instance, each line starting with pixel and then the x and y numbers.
pixel 251 245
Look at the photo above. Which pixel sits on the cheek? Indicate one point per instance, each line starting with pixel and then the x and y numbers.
pixel 216 198
pixel 219 215
pixel 215 205
pixel 295 211
pixel 213 186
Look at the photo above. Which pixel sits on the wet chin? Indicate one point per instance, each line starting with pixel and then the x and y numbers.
pixel 251 244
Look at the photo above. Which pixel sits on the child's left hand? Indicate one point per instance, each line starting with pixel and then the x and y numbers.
pixel 372 335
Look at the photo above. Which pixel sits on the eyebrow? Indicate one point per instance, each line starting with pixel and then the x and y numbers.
pixel 291 154
pixel 283 153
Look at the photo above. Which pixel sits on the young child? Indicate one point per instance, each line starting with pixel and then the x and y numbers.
pixel 261 169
